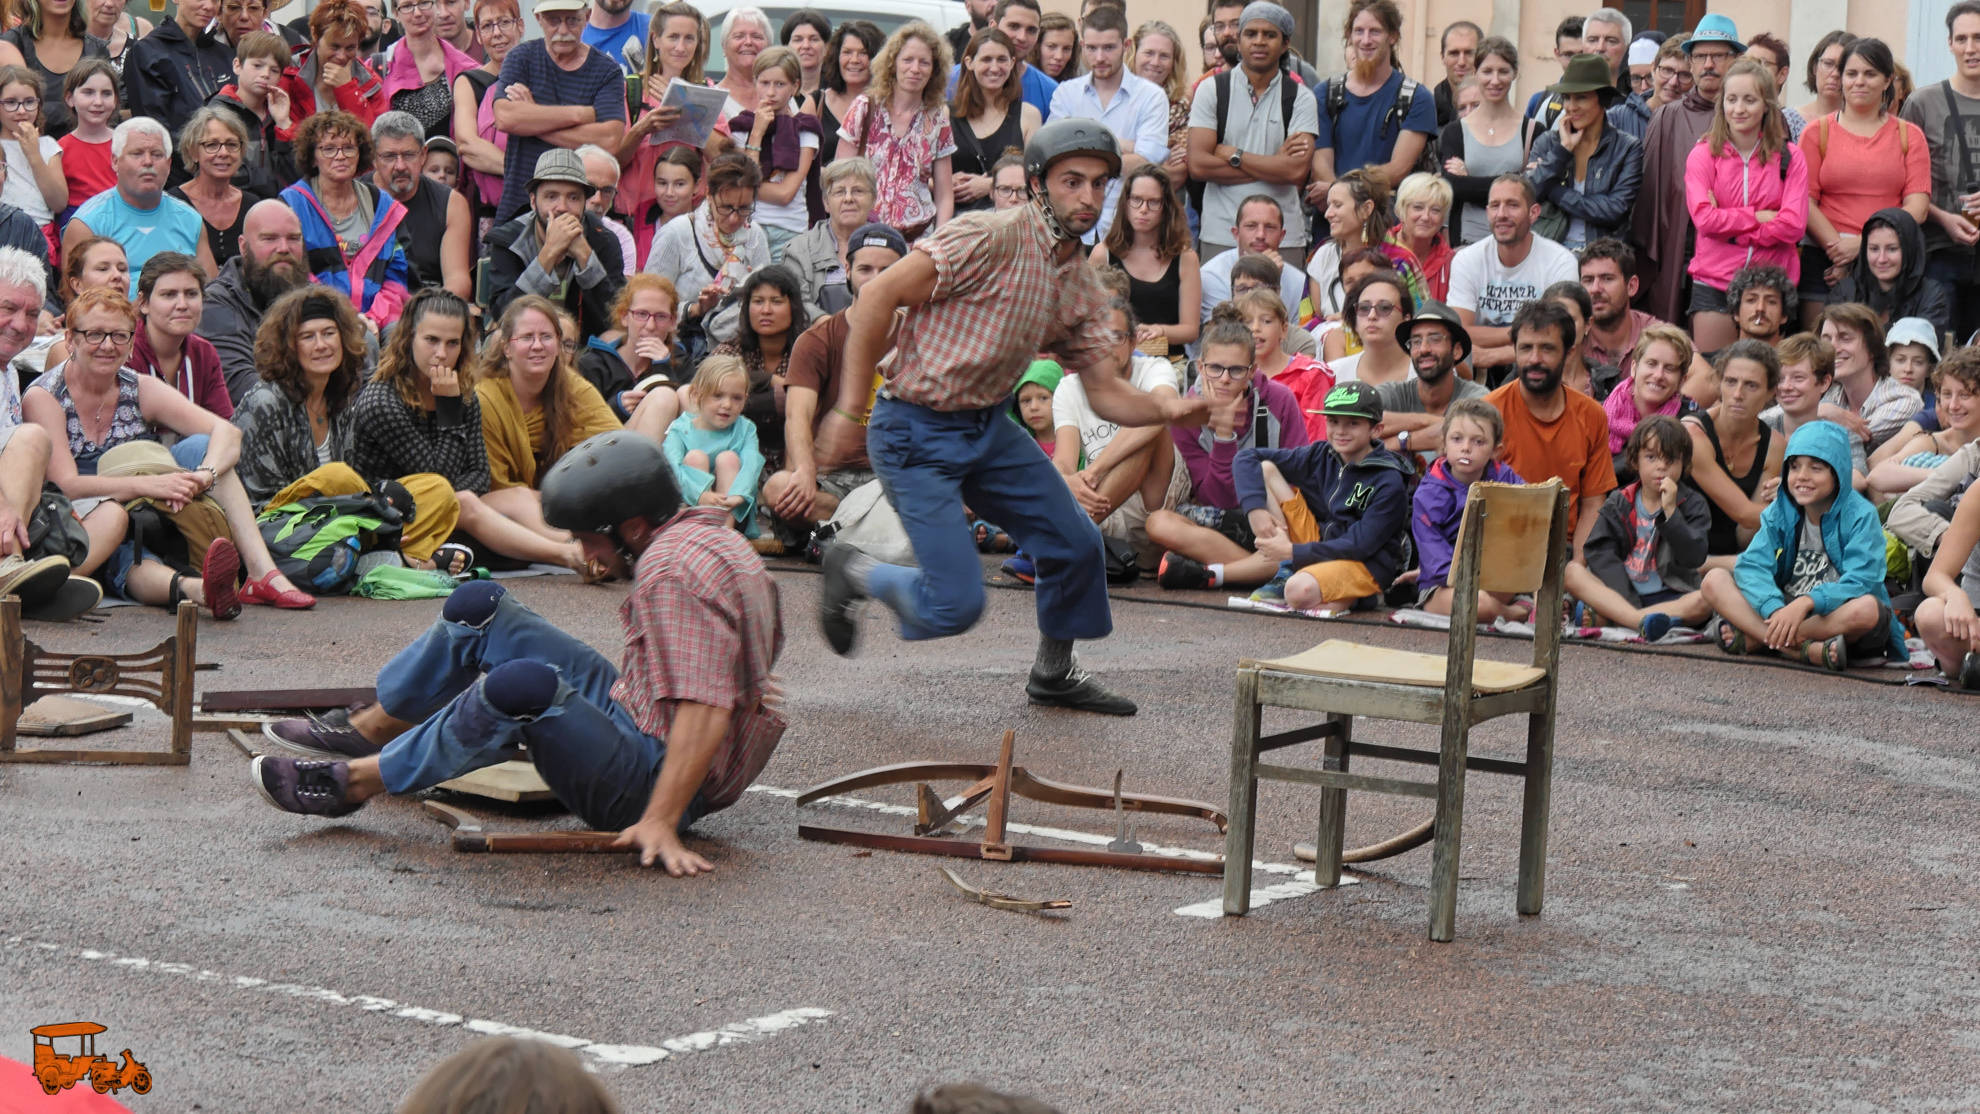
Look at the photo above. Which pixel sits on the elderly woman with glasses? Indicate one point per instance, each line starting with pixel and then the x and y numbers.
pixel 213 144
pixel 350 226
pixel 819 255
pixel 708 253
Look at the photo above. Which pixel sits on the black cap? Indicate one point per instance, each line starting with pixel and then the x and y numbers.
pixel 606 479
pixel 1353 399
pixel 1432 312
pixel 877 235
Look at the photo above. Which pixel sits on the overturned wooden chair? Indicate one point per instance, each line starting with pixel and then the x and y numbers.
pixel 1513 539
pixel 162 675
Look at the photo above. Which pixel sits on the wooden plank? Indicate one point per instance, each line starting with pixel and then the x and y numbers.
pixel 66 717
pixel 279 700
pixel 250 745
pixel 1361 783
pixel 96 757
pixel 514 781
pixel 1343 660
pixel 1353 698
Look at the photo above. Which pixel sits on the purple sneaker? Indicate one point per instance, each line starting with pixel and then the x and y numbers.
pixel 328 736
pixel 302 786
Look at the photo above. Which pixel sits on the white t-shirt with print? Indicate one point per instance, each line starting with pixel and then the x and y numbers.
pixel 1494 291
pixel 1070 408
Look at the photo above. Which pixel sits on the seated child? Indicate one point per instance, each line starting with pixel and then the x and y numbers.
pixel 1644 553
pixel 713 447
pixel 1473 430
pixel 1909 456
pixel 443 162
pixel 1031 403
pixel 1808 371
pixel 1952 589
pixel 1914 353
pixel 1333 513
pixel 1811 584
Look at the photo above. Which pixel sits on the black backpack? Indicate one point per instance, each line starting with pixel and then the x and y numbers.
pixel 1335 103
pixel 1288 96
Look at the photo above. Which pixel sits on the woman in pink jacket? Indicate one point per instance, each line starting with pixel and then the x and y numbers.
pixel 1747 189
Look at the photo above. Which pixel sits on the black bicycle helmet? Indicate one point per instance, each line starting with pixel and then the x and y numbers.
pixel 1065 138
pixel 606 479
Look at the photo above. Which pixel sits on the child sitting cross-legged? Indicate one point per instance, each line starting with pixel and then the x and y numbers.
pixel 1811 583
pixel 1332 513
pixel 713 447
pixel 1473 431
pixel 1643 557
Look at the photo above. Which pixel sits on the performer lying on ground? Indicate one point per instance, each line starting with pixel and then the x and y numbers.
pixel 983 296
pixel 677 732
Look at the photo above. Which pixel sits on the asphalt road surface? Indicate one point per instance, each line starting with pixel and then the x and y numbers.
pixel 1761 896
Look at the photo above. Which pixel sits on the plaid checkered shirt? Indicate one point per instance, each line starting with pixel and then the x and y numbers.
pixel 702 626
pixel 1000 299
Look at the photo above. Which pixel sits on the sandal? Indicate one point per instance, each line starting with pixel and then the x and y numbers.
pixel 1732 640
pixel 989 539
pixel 453 559
pixel 218 573
pixel 264 591
pixel 1831 654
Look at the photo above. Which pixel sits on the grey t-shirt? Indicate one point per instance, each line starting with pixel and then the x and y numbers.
pixel 1401 397
pixel 1811 564
pixel 1483 161
pixel 1256 128
pixel 1955 165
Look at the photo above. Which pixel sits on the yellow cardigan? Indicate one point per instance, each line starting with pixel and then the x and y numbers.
pixel 512 436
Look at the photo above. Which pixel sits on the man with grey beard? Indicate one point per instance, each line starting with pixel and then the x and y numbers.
pixel 270 265
pixel 555 92
pixel 438 222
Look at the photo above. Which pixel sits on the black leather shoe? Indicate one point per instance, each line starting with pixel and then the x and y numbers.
pixel 1969 672
pixel 838 600
pixel 1079 691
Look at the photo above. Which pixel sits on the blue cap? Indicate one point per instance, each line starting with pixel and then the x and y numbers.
pixel 1715 28
pixel 876 235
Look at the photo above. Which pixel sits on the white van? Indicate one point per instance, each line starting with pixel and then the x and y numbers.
pixel 888 15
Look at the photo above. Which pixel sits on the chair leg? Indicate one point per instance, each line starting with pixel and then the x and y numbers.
pixel 1244 797
pixel 1333 806
pixel 1533 818
pixel 1449 824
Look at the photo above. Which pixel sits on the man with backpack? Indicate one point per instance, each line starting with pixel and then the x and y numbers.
pixel 1373 116
pixel 1257 138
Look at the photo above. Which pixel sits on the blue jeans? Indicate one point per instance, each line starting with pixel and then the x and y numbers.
pixel 585 745
pixel 931 463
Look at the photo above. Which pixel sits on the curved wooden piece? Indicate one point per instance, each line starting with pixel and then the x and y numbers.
pixel 1030 785
pixel 1072 856
pixel 900 773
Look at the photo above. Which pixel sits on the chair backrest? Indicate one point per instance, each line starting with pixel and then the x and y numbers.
pixel 1517 520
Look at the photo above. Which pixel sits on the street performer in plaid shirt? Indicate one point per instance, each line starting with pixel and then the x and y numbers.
pixel 676 732
pixel 982 297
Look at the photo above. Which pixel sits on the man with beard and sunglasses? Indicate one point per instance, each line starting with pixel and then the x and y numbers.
pixel 1413 408
pixel 555 92
pixel 1552 431
pixel 983 297
pixel 270 265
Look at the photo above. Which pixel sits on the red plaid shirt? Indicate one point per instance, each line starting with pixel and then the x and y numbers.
pixel 1000 299
pixel 702 626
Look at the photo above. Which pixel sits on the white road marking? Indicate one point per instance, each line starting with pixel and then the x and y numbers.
pixel 1299 885
pixel 611 1056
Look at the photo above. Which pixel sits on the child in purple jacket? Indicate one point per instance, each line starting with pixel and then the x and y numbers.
pixel 1473 431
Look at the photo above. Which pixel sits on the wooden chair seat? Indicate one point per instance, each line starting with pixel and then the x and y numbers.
pixel 1339 659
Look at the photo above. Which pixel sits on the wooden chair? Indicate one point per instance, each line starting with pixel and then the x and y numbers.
pixel 162 675
pixel 1513 539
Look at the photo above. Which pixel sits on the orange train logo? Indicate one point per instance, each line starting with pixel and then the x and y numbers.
pixel 59 1066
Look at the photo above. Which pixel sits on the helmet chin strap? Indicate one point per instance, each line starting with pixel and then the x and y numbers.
pixel 1058 230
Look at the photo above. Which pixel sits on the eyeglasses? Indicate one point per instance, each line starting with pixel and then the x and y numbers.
pixel 848 193
pixel 1012 193
pixel 504 25
pixel 607 191
pixel 1711 55
pixel 1427 340
pixel 734 210
pixel 1116 336
pixel 1224 371
pixel 27 105
pixel 337 152
pixel 1666 73
pixel 1640 80
pixel 95 338
pixel 1144 202
pixel 558 20
pixel 1374 309
pixel 416 6
pixel 648 315
pixel 220 146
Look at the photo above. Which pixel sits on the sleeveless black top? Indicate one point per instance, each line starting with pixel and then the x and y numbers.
pixel 225 242
pixel 1158 302
pixel 977 156
pixel 423 229
pixel 1723 540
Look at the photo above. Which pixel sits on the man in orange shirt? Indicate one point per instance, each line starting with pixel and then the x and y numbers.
pixel 1552 431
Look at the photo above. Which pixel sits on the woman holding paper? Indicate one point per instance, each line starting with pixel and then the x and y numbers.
pixel 676 50
pixel 902 125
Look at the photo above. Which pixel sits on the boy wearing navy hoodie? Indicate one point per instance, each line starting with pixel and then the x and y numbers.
pixel 1811 583
pixel 1334 513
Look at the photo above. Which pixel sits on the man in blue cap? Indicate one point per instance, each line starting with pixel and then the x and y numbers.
pixel 1660 221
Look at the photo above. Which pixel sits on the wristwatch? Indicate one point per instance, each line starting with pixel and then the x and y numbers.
pixel 1236 160
pixel 1402 440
